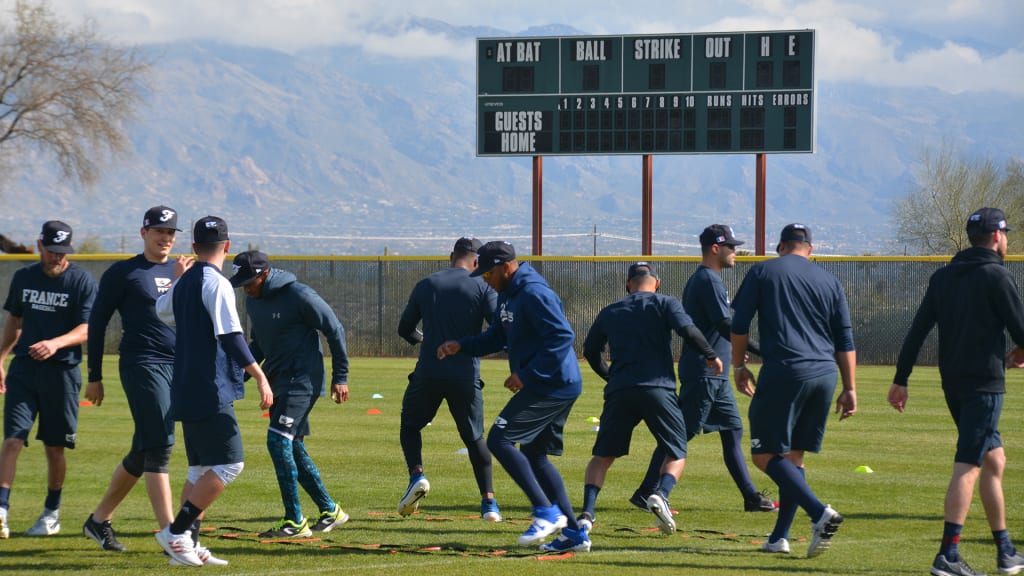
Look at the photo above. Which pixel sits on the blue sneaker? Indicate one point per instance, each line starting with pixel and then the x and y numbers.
pixel 547 520
pixel 569 541
pixel 489 510
pixel 418 488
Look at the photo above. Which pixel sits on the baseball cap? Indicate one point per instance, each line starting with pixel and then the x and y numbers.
pixel 468 244
pixel 56 237
pixel 161 217
pixel 248 265
pixel 798 232
pixel 210 230
pixel 491 254
pixel 718 234
pixel 986 220
pixel 641 269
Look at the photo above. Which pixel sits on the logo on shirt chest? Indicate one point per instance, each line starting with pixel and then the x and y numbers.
pixel 162 284
pixel 506 315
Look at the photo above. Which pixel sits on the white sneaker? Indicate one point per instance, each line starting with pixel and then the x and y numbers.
pixel 822 531
pixel 208 558
pixel 178 546
pixel 48 524
pixel 780 546
pixel 5 531
pixel 658 506
pixel 411 500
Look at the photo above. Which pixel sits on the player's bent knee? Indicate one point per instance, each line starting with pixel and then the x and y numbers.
pixel 134 463
pixel 157 460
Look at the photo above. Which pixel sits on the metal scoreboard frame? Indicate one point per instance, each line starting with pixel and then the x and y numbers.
pixel 700 93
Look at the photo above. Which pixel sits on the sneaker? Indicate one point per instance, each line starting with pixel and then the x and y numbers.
pixel 330 520
pixel 586 521
pixel 5 531
pixel 943 567
pixel 204 554
pixel 489 510
pixel 569 541
pixel 103 534
pixel 639 499
pixel 547 520
pixel 1011 564
pixel 418 488
pixel 759 502
pixel 658 505
pixel 822 532
pixel 48 524
pixel 288 529
pixel 780 546
pixel 179 546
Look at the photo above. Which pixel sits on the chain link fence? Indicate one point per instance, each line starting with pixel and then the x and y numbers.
pixel 369 293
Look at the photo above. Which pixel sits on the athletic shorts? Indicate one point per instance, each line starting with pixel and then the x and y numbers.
pixel 787 415
pixel 213 440
pixel 47 389
pixel 977 421
pixel 148 390
pixel 289 415
pixel 624 409
pixel 533 421
pixel 708 406
pixel 465 399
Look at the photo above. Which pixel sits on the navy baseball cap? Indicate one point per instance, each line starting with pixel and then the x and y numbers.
pixel 210 230
pixel 161 217
pixel 468 244
pixel 797 232
pixel 641 269
pixel 248 265
pixel 491 254
pixel 718 234
pixel 56 237
pixel 986 220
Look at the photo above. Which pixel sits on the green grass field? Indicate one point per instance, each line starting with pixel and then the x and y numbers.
pixel 893 516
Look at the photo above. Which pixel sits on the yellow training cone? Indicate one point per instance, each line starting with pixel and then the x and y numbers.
pixel 864 470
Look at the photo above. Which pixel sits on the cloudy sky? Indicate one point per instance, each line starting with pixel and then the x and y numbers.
pixel 954 45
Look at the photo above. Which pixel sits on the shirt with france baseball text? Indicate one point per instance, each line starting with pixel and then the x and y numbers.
pixel 50 307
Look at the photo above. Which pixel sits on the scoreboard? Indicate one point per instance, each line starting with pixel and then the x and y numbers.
pixel 734 92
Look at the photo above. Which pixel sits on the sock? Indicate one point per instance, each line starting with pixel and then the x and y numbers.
pixel 480 459
pixel 732 453
pixel 309 477
pixel 789 477
pixel 187 516
pixel 950 547
pixel 518 467
pixel 52 499
pixel 665 484
pixel 5 497
pixel 412 445
pixel 287 474
pixel 786 513
pixel 550 480
pixel 650 482
pixel 196 525
pixel 590 493
pixel 1003 543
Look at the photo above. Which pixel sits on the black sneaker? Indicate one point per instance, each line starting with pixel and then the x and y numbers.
pixel 759 502
pixel 103 534
pixel 943 567
pixel 639 499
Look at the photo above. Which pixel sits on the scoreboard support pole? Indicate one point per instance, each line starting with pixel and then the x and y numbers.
pixel 760 204
pixel 538 205
pixel 647 245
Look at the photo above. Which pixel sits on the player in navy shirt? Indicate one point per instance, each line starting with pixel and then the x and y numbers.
pixel 641 385
pixel 805 330
pixel 451 305
pixel 48 305
pixel 146 365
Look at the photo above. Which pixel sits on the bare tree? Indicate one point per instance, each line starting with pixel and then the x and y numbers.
pixel 67 92
pixel 948 187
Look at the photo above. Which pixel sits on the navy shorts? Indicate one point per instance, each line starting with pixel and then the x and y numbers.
pixel 977 422
pixel 148 390
pixel 47 389
pixel 787 415
pixel 709 406
pixel 533 421
pixel 289 415
pixel 465 399
pixel 213 440
pixel 624 409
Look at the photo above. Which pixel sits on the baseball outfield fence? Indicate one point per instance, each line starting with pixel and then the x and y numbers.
pixel 369 293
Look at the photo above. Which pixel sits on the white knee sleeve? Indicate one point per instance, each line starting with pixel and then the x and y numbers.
pixel 226 472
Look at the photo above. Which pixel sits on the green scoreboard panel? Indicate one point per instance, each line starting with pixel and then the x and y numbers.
pixel 732 93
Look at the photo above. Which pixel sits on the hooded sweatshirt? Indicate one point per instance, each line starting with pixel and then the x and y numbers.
pixel 531 325
pixel 285 320
pixel 972 300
